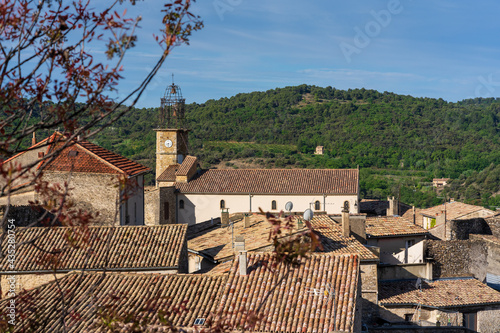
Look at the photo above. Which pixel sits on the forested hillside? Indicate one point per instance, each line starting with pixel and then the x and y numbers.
pixel 281 127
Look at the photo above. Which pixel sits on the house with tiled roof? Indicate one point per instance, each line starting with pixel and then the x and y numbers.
pixel 93 174
pixel 45 252
pixel 399 239
pixel 284 299
pixel 453 210
pixel 187 194
pixel 92 301
pixel 456 302
pixel 320 295
pixel 212 248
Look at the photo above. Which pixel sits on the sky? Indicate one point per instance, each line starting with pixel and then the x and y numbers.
pixel 439 49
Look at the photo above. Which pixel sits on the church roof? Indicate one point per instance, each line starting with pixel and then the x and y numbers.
pixel 274 181
pixel 169 174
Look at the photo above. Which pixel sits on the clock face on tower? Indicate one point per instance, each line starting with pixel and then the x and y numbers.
pixel 168 143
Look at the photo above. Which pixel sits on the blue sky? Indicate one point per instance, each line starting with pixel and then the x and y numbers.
pixel 439 49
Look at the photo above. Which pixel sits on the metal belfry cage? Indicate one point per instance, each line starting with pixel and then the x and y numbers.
pixel 172 108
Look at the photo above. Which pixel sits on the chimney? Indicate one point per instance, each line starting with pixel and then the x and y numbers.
pixel 346 227
pixel 247 220
pixel 33 140
pixel 243 262
pixel 224 217
pixel 393 209
pixel 239 244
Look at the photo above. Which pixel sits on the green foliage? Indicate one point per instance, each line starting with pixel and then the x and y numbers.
pixel 280 128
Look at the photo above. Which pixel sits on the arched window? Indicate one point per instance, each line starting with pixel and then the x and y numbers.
pixel 346 206
pixel 181 204
pixel 273 205
pixel 317 205
pixel 222 204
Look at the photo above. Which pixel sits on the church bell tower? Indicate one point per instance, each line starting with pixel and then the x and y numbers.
pixel 172 134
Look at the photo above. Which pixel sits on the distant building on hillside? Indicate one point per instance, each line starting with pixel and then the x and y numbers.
pixel 320 150
pixel 440 182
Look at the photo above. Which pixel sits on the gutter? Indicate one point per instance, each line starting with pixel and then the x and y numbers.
pixel 141 269
pixel 206 256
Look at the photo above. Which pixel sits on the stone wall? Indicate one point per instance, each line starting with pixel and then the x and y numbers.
pixel 397 315
pixel 461 229
pixel 156 204
pixel 494 225
pixel 458 258
pixel 369 291
pixel 92 192
pixel 24 216
pixel 488 320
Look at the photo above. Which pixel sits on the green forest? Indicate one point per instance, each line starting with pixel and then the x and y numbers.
pixel 399 142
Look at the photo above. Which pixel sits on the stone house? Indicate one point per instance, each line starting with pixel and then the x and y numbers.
pixel 438 216
pixel 457 302
pixel 213 247
pixel 186 194
pixel 399 240
pixel 92 173
pixel 45 252
pixel 440 182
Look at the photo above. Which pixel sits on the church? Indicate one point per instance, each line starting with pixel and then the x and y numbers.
pixel 186 194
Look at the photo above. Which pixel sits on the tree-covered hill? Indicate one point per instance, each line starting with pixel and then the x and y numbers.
pixel 282 127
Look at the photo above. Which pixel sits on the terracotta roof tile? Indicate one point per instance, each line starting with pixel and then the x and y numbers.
pixel 134 247
pixel 274 181
pixel 318 296
pixel 454 210
pixel 216 242
pixel 87 294
pixel 387 226
pixel 169 174
pixel 84 156
pixel 186 165
pixel 440 293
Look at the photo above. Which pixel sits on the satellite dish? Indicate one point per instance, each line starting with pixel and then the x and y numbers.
pixel 308 214
pixel 289 206
pixel 418 284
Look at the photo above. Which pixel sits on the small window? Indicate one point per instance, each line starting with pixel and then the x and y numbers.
pixel 72 153
pixel 410 243
pixel 317 205
pixel 409 317
pixel 222 204
pixel 181 204
pixel 273 205
pixel 346 206
pixel 199 321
